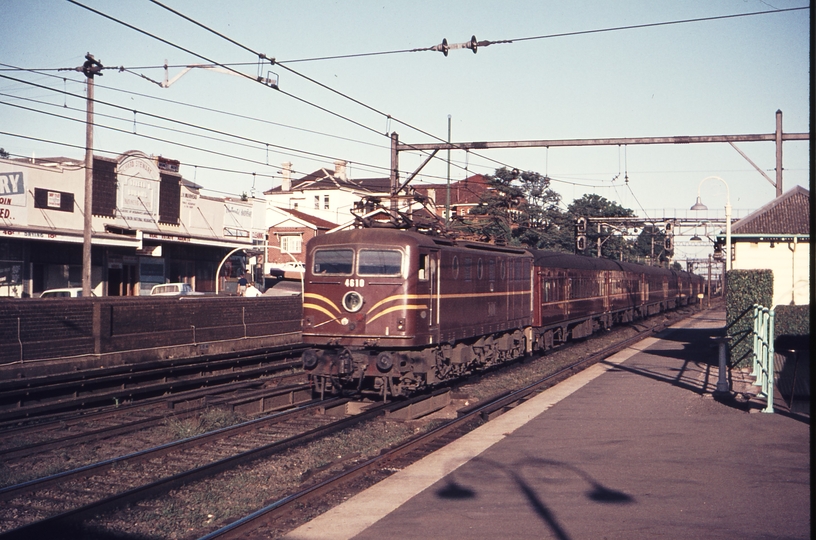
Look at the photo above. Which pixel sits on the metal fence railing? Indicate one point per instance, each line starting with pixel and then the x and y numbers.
pixel 763 361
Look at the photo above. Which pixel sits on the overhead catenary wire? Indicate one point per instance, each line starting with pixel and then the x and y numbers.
pixel 247 76
pixel 324 86
pixel 292 154
pixel 81 165
pixel 167 141
pixel 209 151
pixel 371 166
pixel 194 106
pixel 180 122
pixel 631 27
pixel 508 41
pixel 487 43
pixel 236 72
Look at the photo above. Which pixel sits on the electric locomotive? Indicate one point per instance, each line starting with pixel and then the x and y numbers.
pixel 390 311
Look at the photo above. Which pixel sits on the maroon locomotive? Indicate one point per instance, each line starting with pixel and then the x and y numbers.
pixel 392 311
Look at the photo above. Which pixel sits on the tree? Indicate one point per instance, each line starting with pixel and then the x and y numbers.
pixel 3 153
pixel 649 244
pixel 494 216
pixel 519 208
pixel 614 244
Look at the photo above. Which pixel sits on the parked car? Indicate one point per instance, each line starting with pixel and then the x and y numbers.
pixel 276 272
pixel 66 292
pixel 174 289
pixel 291 270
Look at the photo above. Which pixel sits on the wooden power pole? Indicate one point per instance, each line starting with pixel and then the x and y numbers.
pixel 90 68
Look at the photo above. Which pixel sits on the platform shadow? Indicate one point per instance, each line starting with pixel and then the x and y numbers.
pixel 697 368
pixel 596 491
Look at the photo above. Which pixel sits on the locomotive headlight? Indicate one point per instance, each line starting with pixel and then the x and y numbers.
pixel 352 301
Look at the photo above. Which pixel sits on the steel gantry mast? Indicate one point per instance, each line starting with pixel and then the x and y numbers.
pixel 778 137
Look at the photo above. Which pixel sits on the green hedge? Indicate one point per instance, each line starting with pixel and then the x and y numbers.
pixel 792 321
pixel 744 289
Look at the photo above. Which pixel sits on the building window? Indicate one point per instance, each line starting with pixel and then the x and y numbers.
pixel 291 244
pixel 325 202
pixel 317 202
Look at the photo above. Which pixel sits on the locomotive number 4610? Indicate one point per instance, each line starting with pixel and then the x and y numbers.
pixel 352 282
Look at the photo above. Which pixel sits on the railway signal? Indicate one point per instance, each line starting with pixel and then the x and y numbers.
pixel 580 233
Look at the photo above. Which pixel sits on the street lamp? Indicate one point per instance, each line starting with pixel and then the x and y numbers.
pixel 700 206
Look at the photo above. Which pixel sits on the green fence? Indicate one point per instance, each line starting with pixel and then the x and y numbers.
pixel 763 354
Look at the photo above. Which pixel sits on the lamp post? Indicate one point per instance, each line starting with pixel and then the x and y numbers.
pixel 700 206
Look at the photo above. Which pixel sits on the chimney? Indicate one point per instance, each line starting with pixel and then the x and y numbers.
pixel 286 181
pixel 340 170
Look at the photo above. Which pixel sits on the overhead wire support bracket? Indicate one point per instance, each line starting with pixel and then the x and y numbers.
pixel 271 78
pixel 91 67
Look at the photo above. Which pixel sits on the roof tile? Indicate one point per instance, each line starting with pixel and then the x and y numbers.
pixel 787 214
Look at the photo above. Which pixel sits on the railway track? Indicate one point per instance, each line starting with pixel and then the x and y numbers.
pixel 29 400
pixel 242 400
pixel 43 507
pixel 80 494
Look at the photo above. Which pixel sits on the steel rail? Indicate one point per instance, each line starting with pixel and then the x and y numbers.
pixel 123 392
pixel 89 374
pixel 66 419
pixel 17 490
pixel 144 423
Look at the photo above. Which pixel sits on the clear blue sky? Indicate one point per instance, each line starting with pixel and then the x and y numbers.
pixel 718 77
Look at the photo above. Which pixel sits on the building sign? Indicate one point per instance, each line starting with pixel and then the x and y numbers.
pixel 59 237
pixel 12 199
pixel 53 200
pixel 168 237
pixel 12 184
pixel 137 196
pixel 237 220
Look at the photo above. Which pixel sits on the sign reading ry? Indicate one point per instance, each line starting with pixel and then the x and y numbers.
pixel 11 184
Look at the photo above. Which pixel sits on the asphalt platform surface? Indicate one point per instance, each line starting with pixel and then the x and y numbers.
pixel 635 447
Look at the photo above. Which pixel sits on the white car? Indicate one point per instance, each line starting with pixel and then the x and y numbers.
pixel 67 292
pixel 174 289
pixel 290 266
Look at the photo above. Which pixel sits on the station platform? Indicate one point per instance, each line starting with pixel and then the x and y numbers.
pixel 634 447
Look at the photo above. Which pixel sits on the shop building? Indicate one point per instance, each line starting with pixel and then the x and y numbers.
pixel 149 226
